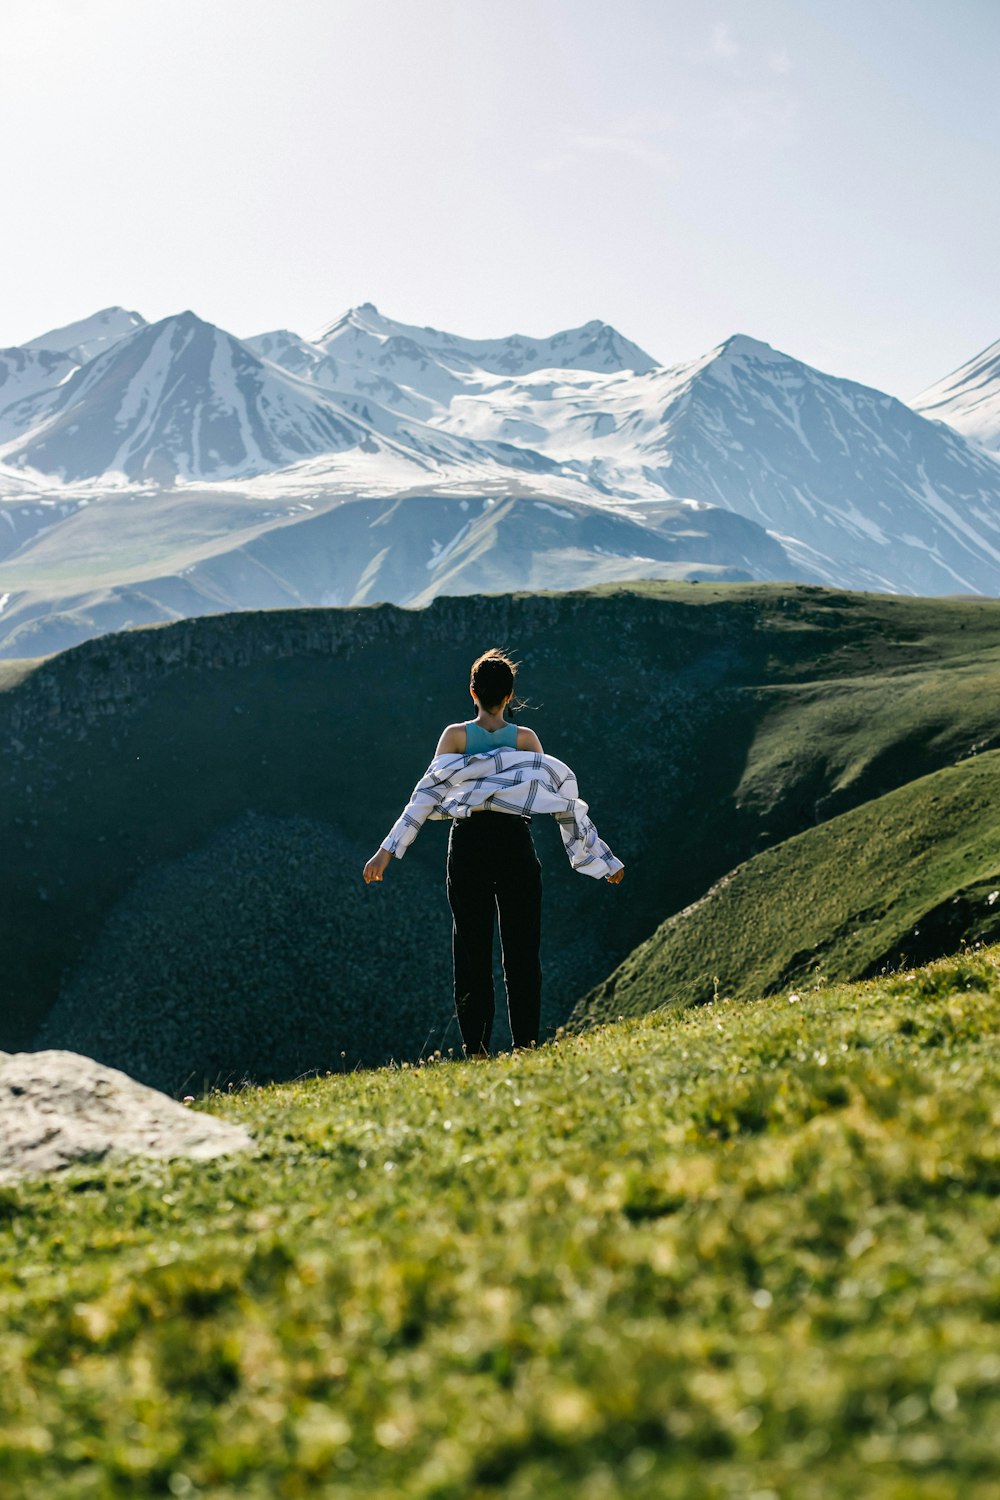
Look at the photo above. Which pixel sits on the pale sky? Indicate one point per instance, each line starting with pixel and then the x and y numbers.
pixel 819 174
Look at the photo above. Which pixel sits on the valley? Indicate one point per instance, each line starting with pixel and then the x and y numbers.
pixel 187 807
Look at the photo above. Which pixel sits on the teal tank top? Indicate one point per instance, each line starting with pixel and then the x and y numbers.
pixel 477 738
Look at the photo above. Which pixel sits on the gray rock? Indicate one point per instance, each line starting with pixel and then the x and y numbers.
pixel 60 1108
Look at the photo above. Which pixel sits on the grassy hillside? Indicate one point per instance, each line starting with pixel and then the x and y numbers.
pixel 912 873
pixel 184 810
pixel 741 1250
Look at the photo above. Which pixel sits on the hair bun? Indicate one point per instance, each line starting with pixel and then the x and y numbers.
pixel 492 678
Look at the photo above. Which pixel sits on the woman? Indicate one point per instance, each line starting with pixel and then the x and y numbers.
pixel 478 779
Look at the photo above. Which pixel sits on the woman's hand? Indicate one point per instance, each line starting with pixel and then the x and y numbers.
pixel 376 865
pixel 617 877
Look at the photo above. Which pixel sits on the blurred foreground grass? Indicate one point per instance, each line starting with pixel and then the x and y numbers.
pixel 745 1251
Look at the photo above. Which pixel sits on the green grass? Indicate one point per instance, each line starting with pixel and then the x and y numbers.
pixel 735 1251
pixel 908 874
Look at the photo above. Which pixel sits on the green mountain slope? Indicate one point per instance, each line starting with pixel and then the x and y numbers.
pixel 706 723
pixel 742 1250
pixel 913 872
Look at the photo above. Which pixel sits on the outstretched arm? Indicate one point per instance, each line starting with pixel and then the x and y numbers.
pixel 407 825
pixel 376 866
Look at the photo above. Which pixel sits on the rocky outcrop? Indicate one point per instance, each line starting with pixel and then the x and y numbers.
pixel 58 1109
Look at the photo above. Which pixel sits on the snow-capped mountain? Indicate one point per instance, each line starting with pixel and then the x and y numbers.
pixel 25 373
pixel 339 376
pixel 858 488
pixel 384 460
pixel 90 336
pixel 855 484
pixel 182 401
pixel 173 400
pixel 968 399
pixel 365 337
pixel 420 372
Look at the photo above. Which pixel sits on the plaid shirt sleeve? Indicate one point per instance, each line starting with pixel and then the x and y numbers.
pixel 522 782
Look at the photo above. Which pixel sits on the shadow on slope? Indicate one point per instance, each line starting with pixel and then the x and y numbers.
pixel 243 958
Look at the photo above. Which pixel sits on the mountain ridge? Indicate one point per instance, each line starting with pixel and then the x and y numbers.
pixel 88 337
pixel 516 353
pixel 853 488
pixel 968 399
pixel 153 403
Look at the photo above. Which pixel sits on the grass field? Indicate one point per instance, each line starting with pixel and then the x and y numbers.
pixel 742 1251
pixel 904 876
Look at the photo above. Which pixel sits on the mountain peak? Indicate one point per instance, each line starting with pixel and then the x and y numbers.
pixel 185 319
pixel 181 399
pixel 365 317
pixel 742 346
pixel 595 345
pixel 89 336
pixel 968 399
pixel 276 336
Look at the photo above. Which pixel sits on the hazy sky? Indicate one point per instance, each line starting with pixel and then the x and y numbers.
pixel 820 174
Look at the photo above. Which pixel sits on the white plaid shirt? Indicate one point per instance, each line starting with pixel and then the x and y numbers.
pixel 510 781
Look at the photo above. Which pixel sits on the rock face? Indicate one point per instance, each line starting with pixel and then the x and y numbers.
pixel 58 1108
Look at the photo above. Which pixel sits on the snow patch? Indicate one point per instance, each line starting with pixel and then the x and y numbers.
pixel 439 553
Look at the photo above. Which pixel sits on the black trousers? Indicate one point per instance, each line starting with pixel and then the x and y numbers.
pixel 493 868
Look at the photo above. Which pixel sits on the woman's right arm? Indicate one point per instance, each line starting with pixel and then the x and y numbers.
pixel 376 866
pixel 452 741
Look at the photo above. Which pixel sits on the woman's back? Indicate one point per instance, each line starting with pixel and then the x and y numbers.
pixel 478 739
pixel 493 871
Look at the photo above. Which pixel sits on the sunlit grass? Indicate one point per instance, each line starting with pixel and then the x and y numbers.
pixel 742 1250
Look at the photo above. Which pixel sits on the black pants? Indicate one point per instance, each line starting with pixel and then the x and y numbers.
pixel 493 868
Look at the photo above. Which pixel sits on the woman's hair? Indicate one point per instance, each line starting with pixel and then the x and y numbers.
pixel 492 678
